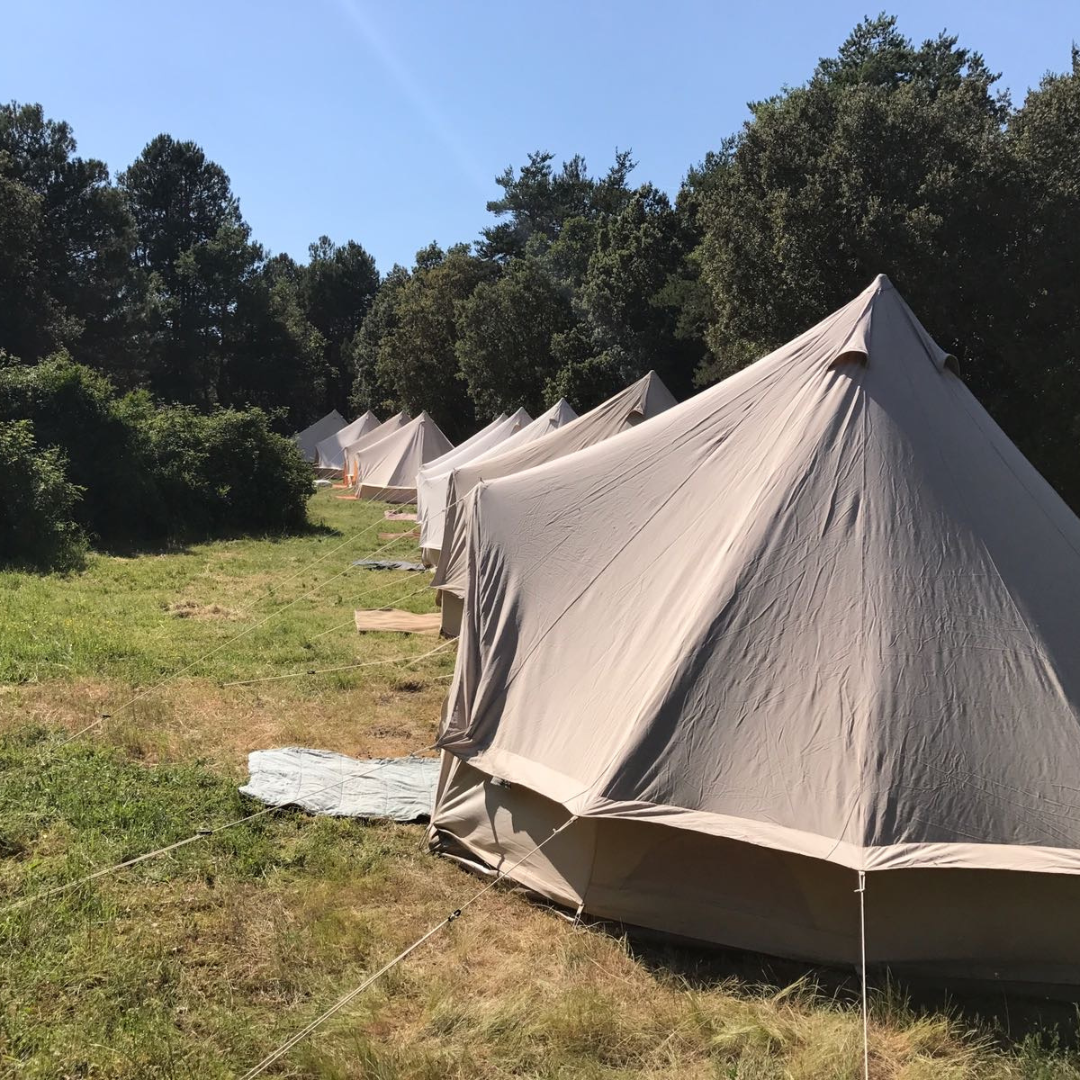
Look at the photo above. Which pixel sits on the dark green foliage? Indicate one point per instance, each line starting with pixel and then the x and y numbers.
pixel 506 329
pixel 894 157
pixel 220 473
pixel 195 249
pixel 277 358
pixel 74 409
pixel 337 288
pixel 66 238
pixel 370 389
pixel 416 358
pixel 36 502
pixel 148 474
pixel 537 202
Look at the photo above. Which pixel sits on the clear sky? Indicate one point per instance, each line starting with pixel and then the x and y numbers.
pixel 387 122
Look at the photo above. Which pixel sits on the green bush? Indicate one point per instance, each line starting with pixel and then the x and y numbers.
pixel 220 473
pixel 149 474
pixel 37 501
pixel 74 408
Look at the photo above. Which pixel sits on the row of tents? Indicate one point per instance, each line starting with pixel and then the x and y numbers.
pixel 813 631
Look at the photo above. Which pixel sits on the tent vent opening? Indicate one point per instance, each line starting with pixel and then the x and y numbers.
pixel 851 356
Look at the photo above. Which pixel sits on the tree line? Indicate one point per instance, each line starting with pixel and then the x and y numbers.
pixel 894 157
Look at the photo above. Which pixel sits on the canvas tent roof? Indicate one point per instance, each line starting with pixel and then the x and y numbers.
pixel 310 437
pixel 821 618
pixel 352 450
pixel 330 452
pixel 559 415
pixel 388 467
pixel 433 479
pixel 461 448
pixel 648 397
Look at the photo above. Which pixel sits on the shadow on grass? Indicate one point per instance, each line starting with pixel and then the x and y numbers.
pixel 75 561
pixel 1012 1017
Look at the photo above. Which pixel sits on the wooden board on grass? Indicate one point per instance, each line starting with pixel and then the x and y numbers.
pixel 403 622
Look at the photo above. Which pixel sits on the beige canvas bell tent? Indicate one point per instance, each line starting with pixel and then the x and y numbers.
pixel 330 452
pixel 309 439
pixel 434 478
pixel 820 621
pixel 388 468
pixel 648 397
pixel 351 452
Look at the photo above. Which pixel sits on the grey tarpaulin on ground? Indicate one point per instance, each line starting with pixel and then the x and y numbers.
pixel 389 564
pixel 323 782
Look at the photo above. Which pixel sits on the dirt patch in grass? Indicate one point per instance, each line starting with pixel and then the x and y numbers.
pixel 192 609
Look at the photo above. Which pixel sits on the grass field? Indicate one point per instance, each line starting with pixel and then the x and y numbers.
pixel 198 963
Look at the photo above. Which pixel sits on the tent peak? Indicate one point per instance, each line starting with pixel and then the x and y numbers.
pixel 884 297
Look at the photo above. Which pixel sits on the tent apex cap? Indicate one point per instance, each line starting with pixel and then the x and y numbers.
pixel 882 282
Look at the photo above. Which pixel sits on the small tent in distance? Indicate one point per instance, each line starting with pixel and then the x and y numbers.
pixel 646 398
pixel 388 468
pixel 330 452
pixel 433 479
pixel 309 439
pixel 818 622
pixel 351 452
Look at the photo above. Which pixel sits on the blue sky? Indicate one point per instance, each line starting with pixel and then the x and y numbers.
pixel 387 122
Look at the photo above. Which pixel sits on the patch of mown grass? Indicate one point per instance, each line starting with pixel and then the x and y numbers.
pixel 129 619
pixel 77 648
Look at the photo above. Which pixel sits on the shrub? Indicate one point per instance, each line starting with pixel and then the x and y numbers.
pixel 36 501
pixel 221 473
pixel 149 473
pixel 74 408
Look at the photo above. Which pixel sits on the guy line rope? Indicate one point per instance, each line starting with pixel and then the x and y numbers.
pixel 345 999
pixel 343 667
pixel 861 890
pixel 202 834
pixel 389 603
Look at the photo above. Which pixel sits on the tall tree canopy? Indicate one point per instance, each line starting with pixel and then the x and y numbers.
pixel 338 287
pixel 417 358
pixel 66 238
pixel 196 248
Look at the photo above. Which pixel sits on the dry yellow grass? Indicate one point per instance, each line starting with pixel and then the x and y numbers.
pixel 195 719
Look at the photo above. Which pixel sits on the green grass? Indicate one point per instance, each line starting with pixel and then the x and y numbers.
pixel 140 619
pixel 196 964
